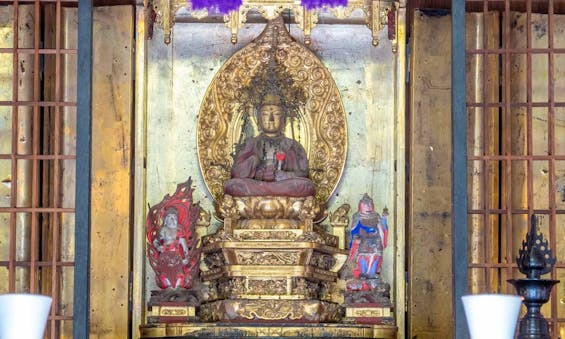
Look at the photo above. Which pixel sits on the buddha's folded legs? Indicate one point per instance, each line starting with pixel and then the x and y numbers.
pixel 295 187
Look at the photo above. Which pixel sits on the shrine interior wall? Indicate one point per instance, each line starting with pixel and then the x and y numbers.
pixel 177 76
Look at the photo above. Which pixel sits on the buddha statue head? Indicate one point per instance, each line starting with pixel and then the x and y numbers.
pixel 271 116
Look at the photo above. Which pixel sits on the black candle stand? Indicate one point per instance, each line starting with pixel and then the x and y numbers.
pixel 534 259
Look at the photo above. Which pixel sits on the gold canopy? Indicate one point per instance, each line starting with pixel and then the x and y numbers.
pixel 375 14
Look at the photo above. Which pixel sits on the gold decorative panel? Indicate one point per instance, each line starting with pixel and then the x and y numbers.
pixel 376 14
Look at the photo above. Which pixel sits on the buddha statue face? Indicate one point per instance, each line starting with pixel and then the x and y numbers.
pixel 271 119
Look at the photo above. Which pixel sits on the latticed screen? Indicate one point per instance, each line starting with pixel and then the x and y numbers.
pixel 516 140
pixel 37 153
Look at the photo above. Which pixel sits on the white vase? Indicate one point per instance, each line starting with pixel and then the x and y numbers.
pixel 23 316
pixel 492 316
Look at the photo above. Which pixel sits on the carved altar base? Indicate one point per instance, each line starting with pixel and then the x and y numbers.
pixel 289 331
pixel 171 312
pixel 246 310
pixel 270 263
pixel 367 301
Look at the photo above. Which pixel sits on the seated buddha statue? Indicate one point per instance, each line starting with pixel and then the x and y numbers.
pixel 270 164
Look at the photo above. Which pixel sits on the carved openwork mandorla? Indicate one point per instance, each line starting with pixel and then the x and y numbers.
pixel 323 119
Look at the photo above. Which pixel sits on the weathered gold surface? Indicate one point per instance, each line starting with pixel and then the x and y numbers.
pixel 22 178
pixel 265 279
pixel 374 11
pixel 271 310
pixel 374 14
pixel 255 257
pixel 6 91
pixel 478 67
pixel 361 312
pixel 16 187
pixel 268 286
pixel 271 207
pixel 282 258
pixel 259 235
pixel 111 165
pixel 546 140
pixel 430 263
pixel 140 177
pixel 286 330
pixel 172 311
pixel 540 194
pixel 339 221
pixel 514 192
pixel 398 283
pixel 323 119
pixel 68 170
pixel 190 62
pixel 165 10
pixel 558 23
pixel 340 216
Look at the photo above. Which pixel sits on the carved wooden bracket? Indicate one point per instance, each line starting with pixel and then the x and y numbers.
pixel 377 14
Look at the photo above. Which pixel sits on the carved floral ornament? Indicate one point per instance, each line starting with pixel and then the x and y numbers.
pixel 376 13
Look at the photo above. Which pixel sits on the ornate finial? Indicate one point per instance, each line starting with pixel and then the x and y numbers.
pixel 535 258
pixel 272 78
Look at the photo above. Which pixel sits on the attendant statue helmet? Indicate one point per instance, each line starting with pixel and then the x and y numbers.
pixel 367 212
pixel 366 205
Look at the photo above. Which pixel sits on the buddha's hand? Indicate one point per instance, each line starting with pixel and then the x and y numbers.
pixel 283 175
pixel 265 172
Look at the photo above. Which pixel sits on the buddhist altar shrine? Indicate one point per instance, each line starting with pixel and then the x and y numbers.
pixel 287 245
